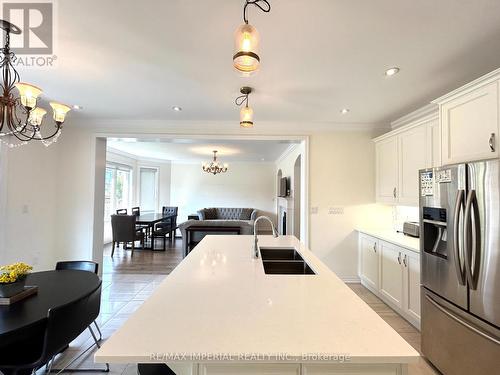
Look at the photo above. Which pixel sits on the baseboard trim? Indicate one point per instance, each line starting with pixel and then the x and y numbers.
pixel 351 280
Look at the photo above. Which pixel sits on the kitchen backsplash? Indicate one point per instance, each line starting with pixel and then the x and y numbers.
pixel 400 214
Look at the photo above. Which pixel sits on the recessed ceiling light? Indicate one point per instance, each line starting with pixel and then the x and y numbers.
pixel 345 111
pixel 77 107
pixel 176 108
pixel 391 71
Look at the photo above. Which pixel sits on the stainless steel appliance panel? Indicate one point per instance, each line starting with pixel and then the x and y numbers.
pixel 455 342
pixel 442 270
pixel 482 237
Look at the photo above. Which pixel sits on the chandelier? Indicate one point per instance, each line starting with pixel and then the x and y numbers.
pixel 214 167
pixel 246 113
pixel 246 58
pixel 20 118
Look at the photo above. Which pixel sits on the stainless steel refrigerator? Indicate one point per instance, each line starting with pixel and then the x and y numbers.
pixel 460 261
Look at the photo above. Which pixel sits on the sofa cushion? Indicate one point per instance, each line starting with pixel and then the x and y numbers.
pixel 246 213
pixel 210 214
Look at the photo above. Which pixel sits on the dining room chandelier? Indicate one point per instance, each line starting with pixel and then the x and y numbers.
pixel 20 117
pixel 214 167
pixel 246 113
pixel 246 59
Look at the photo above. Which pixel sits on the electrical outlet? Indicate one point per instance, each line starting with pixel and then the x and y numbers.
pixel 314 210
pixel 336 211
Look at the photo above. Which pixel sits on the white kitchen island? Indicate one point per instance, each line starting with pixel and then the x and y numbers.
pixel 219 313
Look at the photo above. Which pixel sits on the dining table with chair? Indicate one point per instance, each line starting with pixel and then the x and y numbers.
pixel 143 227
pixel 35 330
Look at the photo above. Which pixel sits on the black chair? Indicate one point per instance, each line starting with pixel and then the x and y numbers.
pixel 169 224
pixel 125 231
pixel 121 211
pixel 154 369
pixel 136 211
pixel 64 324
pixel 81 265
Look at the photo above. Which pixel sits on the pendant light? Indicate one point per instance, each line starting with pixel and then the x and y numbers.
pixel 246 113
pixel 246 58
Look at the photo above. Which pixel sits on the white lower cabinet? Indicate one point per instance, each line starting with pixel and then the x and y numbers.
pixel 393 274
pixel 411 261
pixel 251 369
pixel 369 264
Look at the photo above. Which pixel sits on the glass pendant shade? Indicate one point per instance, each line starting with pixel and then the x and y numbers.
pixel 29 94
pixel 246 58
pixel 60 111
pixel 246 117
pixel 36 116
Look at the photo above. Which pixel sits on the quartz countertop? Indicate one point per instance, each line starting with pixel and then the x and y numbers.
pixel 390 235
pixel 220 301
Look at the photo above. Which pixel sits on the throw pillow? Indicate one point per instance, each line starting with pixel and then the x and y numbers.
pixel 210 214
pixel 246 213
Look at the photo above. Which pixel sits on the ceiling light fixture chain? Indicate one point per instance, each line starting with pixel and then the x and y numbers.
pixel 263 5
pixel 14 131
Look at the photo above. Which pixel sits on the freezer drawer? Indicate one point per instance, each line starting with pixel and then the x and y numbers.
pixel 454 341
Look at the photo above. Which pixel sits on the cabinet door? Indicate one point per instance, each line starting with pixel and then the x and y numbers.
pixel 413 155
pixel 391 273
pixel 468 122
pixel 411 263
pixel 387 170
pixel 434 144
pixel 369 264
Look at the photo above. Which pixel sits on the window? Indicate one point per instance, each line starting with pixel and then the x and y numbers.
pixel 117 189
pixel 148 189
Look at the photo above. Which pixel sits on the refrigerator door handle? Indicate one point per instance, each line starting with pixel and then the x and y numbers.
pixel 472 239
pixel 456 237
pixel 457 319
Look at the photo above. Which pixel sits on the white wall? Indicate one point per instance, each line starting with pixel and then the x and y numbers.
pixel 29 194
pixel 243 185
pixel 342 175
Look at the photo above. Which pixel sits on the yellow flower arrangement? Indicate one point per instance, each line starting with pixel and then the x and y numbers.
pixel 14 272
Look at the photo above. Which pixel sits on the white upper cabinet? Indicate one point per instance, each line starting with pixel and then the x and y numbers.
pixel 414 154
pixel 387 170
pixel 470 121
pixel 401 153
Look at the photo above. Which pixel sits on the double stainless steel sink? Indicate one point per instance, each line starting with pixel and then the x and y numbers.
pixel 284 261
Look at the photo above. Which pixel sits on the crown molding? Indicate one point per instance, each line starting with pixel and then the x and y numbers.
pixel 426 113
pixel 481 81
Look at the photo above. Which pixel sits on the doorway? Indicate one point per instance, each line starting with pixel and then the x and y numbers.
pixel 297 193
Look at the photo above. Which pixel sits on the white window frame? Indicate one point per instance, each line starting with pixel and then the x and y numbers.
pixel 125 168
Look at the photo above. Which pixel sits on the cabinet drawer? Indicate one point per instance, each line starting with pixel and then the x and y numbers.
pixel 251 369
pixel 352 370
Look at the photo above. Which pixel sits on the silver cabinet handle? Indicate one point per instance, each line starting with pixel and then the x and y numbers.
pixel 399 258
pixel 460 321
pixel 456 237
pixel 394 193
pixel 404 261
pixel 375 247
pixel 492 142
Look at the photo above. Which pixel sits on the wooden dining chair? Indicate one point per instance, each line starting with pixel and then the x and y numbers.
pixel 125 231
pixel 121 211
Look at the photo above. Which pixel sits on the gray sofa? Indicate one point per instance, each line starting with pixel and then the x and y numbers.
pixel 220 217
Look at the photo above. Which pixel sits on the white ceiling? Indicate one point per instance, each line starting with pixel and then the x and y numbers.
pixel 198 150
pixel 132 59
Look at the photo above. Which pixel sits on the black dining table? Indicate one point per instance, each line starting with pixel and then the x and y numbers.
pixel 149 220
pixel 25 320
